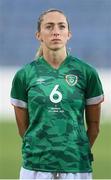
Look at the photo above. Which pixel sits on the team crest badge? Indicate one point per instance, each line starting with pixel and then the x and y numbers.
pixel 71 79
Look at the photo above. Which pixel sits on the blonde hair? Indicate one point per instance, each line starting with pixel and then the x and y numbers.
pixel 39 52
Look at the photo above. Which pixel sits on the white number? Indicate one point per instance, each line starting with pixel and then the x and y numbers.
pixel 55 92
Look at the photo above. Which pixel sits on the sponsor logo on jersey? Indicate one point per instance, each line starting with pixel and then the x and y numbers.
pixel 71 79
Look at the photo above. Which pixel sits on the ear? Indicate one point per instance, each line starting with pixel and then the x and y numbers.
pixel 38 36
pixel 69 35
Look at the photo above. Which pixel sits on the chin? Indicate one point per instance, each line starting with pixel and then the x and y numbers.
pixel 56 48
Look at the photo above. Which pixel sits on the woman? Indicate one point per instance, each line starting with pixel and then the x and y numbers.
pixel 50 96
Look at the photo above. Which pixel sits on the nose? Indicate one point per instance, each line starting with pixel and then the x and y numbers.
pixel 56 34
pixel 55 31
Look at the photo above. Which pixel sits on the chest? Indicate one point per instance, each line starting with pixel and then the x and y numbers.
pixel 56 86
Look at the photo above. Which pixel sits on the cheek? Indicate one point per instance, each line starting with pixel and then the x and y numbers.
pixel 65 37
pixel 44 35
pixel 65 34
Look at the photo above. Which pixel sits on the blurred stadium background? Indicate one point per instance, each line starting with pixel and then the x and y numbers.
pixel 91 41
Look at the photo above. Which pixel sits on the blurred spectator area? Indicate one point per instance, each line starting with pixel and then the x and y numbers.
pixel 90 23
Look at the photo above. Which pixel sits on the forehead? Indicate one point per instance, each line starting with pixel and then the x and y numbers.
pixel 54 17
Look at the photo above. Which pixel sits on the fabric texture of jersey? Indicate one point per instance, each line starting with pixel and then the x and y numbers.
pixel 56 139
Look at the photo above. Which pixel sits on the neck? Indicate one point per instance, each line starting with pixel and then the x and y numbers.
pixel 55 58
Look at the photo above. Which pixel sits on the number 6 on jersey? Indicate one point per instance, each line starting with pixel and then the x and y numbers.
pixel 55 92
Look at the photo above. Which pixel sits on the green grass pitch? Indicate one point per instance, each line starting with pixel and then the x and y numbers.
pixel 10 152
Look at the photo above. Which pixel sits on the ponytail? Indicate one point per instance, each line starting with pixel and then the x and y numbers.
pixel 39 52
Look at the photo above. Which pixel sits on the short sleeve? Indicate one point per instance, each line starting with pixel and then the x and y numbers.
pixel 18 90
pixel 94 90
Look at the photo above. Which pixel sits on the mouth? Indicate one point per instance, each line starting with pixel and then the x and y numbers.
pixel 56 40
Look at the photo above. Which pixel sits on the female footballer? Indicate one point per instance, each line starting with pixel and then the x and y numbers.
pixel 50 96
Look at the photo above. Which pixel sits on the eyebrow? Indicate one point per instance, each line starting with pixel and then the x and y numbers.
pixel 51 23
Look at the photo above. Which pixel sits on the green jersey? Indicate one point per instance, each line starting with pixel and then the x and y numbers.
pixel 56 139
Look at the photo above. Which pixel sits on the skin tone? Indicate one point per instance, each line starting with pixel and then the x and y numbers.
pixel 92 114
pixel 53 37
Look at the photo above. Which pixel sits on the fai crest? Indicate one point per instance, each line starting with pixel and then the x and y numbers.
pixel 71 79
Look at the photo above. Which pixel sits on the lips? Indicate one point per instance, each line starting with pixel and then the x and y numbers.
pixel 56 40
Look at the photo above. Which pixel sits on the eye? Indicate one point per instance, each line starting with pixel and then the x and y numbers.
pixel 62 27
pixel 48 27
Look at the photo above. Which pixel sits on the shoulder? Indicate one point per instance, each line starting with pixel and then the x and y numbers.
pixel 82 65
pixel 26 69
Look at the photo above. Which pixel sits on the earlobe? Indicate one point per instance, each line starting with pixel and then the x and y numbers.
pixel 37 35
pixel 69 35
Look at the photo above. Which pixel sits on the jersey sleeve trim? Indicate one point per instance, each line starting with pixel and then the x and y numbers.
pixel 18 103
pixel 95 100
